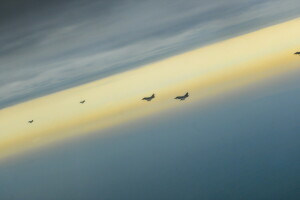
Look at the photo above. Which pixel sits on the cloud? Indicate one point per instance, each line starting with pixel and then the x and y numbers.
pixel 51 46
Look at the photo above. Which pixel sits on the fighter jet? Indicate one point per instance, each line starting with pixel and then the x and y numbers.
pixel 182 97
pixel 297 53
pixel 149 98
pixel 30 121
pixel 82 102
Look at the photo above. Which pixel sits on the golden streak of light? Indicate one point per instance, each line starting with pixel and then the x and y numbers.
pixel 204 72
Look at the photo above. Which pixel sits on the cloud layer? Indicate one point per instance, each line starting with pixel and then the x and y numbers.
pixel 48 46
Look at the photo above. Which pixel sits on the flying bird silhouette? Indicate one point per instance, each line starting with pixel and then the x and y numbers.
pixel 297 53
pixel 181 98
pixel 149 98
pixel 82 102
pixel 30 121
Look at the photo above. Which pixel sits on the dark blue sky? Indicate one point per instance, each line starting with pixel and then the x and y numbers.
pixel 46 46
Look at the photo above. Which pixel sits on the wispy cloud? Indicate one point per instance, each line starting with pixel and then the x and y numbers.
pixel 50 47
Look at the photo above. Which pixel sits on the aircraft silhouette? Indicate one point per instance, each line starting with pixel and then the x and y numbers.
pixel 297 53
pixel 30 121
pixel 182 97
pixel 149 98
pixel 82 102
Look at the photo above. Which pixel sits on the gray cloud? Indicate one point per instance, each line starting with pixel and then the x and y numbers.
pixel 47 46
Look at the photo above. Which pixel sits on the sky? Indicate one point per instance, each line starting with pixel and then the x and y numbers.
pixel 47 46
pixel 240 144
pixel 242 147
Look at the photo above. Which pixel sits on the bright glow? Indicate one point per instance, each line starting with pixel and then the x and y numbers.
pixel 204 72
